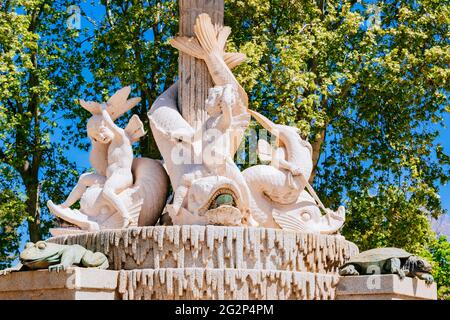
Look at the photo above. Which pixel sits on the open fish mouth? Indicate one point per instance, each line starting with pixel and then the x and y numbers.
pixel 217 199
pixel 222 197
pixel 223 208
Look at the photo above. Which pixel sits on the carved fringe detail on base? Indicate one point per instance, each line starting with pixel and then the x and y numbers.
pixel 198 283
pixel 216 248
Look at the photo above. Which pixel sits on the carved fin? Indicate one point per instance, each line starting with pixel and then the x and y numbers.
pixel 135 128
pixel 209 39
pixel 91 106
pixel 190 46
pixel 178 200
pixel 132 102
pixel 120 97
pixel 222 37
pixel 287 222
pixel 135 209
pixel 233 59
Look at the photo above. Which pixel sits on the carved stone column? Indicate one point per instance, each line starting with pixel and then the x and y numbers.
pixel 194 76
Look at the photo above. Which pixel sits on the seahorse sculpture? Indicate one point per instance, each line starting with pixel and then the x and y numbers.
pixel 122 191
pixel 279 198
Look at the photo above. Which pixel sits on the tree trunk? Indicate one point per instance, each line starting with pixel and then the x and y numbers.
pixel 147 144
pixel 32 173
pixel 317 147
pixel 33 211
pixel 194 76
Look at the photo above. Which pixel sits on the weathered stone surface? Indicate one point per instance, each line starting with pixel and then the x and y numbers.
pixel 171 283
pixel 217 247
pixel 195 79
pixel 202 284
pixel 384 287
pixel 194 262
pixel 73 284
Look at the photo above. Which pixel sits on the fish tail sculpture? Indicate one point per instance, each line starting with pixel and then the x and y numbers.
pixel 209 46
pixel 150 173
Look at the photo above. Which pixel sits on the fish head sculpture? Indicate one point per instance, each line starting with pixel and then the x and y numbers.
pixel 283 133
pixel 216 195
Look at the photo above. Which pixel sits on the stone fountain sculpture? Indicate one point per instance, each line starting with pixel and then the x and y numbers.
pixel 268 196
pixel 122 191
pixel 200 186
pixel 232 234
pixel 262 233
pixel 208 187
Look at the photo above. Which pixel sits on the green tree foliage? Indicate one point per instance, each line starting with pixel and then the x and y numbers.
pixel 11 217
pixel 130 47
pixel 40 73
pixel 368 96
pixel 438 253
pixel 386 219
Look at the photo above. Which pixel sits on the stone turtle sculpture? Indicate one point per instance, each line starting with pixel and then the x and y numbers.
pixel 56 257
pixel 388 261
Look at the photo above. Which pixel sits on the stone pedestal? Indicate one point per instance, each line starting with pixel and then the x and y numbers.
pixel 212 262
pixel 384 287
pixel 193 262
pixel 224 284
pixel 73 284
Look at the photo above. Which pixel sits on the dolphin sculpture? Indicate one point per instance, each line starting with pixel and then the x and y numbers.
pixel 278 194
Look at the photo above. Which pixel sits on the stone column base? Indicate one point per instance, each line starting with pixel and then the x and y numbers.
pixel 194 262
pixel 224 284
pixel 73 284
pixel 384 287
pixel 166 284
